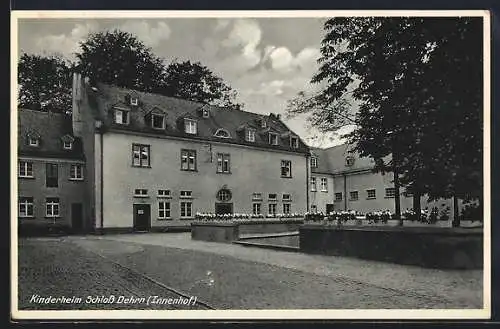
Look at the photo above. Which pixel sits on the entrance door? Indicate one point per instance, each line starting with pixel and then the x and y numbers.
pixel 142 217
pixel 329 208
pixel 77 217
pixel 223 208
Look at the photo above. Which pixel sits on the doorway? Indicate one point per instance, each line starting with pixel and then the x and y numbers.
pixel 142 217
pixel 222 208
pixel 77 217
pixel 329 208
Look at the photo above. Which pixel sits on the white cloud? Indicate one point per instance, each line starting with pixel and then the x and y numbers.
pixel 281 59
pixel 66 44
pixel 244 35
pixel 151 35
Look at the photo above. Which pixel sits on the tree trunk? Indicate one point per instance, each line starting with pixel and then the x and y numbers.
pixel 397 198
pixel 456 219
pixel 417 205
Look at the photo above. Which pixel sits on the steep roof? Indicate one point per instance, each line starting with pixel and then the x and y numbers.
pixel 333 160
pixel 50 128
pixel 105 97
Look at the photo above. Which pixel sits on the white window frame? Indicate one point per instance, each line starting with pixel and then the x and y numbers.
pixel 29 207
pixel 257 208
pixel 274 207
pixel 190 126
pixel 140 150
pixel 76 172
pixel 164 194
pixel 314 162
pixel 294 142
pixel 286 197
pixel 351 194
pixel 257 196
pixel 390 194
pixel 134 101
pixel 205 113
pixel 162 116
pixel 224 131
pixel 188 157
pixel 141 193
pixel 124 116
pixel 324 184
pixel 263 123
pixel 164 210
pixel 287 208
pixel 223 163
pixel 25 167
pixel 250 135
pixel 313 183
pixel 52 208
pixel 186 194
pixel 337 194
pixel 275 141
pixel 33 141
pixel 67 145
pixel 286 164
pixel 183 208
pixel 270 198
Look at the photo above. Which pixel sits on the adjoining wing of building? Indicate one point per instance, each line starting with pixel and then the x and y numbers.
pixel 128 160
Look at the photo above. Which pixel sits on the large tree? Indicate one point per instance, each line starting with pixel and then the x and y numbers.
pixel 196 82
pixel 44 83
pixel 419 84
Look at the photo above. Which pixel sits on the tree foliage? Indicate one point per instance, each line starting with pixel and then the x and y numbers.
pixel 419 85
pixel 44 83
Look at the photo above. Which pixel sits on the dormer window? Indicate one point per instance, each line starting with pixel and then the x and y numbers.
pixel 250 135
pixel 134 101
pixel 222 133
pixel 157 121
pixel 273 139
pixel 121 116
pixel 67 145
pixel 205 113
pixel 294 142
pixel 314 162
pixel 349 161
pixel 33 141
pixel 190 126
pixel 263 123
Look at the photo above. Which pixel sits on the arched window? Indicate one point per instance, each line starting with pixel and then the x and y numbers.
pixel 222 133
pixel 224 195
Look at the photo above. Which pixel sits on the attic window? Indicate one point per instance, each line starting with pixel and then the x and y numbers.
pixel 134 101
pixel 33 141
pixel 157 121
pixel 121 116
pixel 294 142
pixel 67 145
pixel 190 126
pixel 349 161
pixel 205 113
pixel 250 135
pixel 222 133
pixel 263 123
pixel 273 139
pixel 314 162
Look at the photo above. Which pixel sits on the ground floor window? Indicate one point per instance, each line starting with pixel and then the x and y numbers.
pixel 272 209
pixel 256 208
pixel 314 209
pixel 26 207
pixel 186 209
pixel 52 207
pixel 163 210
pixel 286 208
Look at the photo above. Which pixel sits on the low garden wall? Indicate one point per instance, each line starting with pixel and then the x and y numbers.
pixel 228 231
pixel 456 248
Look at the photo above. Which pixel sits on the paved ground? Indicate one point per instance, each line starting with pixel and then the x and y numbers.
pixel 238 277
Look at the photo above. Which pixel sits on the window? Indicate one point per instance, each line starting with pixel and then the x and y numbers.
pixel 205 113
pixel 190 126
pixel 286 197
pixel 338 196
pixel 324 184
pixel 188 160
pixel 314 162
pixel 390 192
pixel 263 123
pixel 272 209
pixel 250 135
pixel 134 101
pixel 76 172
pixel 224 195
pixel 223 163
pixel 67 145
pixel 349 161
pixel 140 155
pixel 186 194
pixel 25 169
pixel 353 195
pixel 26 207
pixel 33 141
pixel 121 117
pixel 314 209
pixel 256 209
pixel 371 194
pixel 157 121
pixel 164 193
pixel 163 210
pixel 286 208
pixel 257 196
pixel 52 207
pixel 272 196
pixel 140 192
pixel 286 168
pixel 186 209
pixel 313 183
pixel 273 139
pixel 222 133
pixel 51 175
pixel 294 142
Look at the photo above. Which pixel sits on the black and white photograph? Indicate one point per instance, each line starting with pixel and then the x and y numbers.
pixel 250 165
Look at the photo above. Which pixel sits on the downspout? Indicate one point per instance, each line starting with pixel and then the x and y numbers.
pixel 307 183
pixel 345 191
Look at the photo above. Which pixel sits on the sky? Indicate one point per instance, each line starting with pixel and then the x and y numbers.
pixel 266 60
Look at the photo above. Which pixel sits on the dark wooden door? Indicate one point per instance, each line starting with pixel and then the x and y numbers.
pixel 142 217
pixel 223 208
pixel 77 217
pixel 329 208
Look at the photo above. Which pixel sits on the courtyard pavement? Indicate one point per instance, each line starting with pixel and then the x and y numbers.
pixel 230 276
